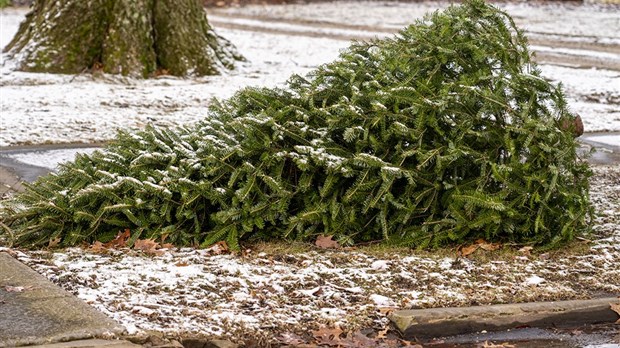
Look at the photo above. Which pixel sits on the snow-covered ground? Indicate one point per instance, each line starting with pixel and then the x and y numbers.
pixel 283 40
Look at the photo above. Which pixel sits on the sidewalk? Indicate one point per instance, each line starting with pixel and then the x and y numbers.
pixel 10 183
pixel 33 311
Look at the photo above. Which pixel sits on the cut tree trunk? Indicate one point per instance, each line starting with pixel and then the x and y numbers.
pixel 128 37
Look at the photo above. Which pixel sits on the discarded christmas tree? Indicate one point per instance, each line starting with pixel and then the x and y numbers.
pixel 443 134
pixel 128 37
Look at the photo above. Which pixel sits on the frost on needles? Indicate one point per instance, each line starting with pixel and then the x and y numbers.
pixel 442 134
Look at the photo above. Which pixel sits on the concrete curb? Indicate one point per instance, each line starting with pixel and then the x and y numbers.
pixel 9 182
pixel 438 322
pixel 35 311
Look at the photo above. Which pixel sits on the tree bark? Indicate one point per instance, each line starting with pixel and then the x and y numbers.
pixel 128 37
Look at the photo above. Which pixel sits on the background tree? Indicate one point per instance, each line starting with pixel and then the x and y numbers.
pixel 129 37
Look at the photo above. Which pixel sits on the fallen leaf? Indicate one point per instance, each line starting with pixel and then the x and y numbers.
pixel 218 248
pixel 182 264
pixel 616 308
pixel 53 242
pixel 526 250
pixel 386 310
pixel 488 246
pixel 326 242
pixel 357 340
pixel 327 336
pixel 98 247
pixel 148 246
pixel 382 333
pixel 119 241
pixel 466 251
pixel 161 72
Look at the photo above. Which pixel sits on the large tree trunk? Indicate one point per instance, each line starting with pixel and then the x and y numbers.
pixel 129 37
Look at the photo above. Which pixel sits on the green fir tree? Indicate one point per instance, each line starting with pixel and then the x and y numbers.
pixel 443 134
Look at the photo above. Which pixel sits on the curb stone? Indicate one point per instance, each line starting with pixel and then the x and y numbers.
pixel 34 311
pixel 440 322
pixel 9 182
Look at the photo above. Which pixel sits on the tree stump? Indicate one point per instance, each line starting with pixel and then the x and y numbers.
pixel 128 37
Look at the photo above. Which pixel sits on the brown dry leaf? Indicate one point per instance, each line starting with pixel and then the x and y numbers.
pixel 98 248
pixel 488 246
pixel 382 333
pixel 167 246
pixel 182 264
pixel 526 250
pixel 326 242
pixel 119 241
pixel 386 310
pixel 161 72
pixel 468 250
pixel 54 242
pixel 327 336
pixel 358 340
pixel 218 248
pixel 616 308
pixel 148 246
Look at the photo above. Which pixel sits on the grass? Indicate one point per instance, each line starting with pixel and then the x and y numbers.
pixel 382 250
